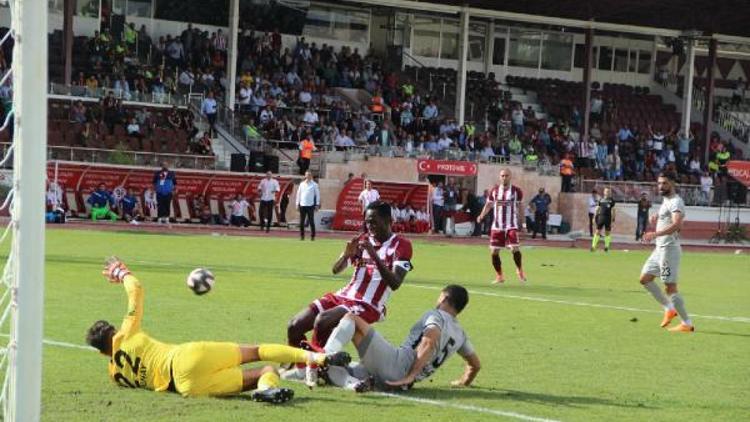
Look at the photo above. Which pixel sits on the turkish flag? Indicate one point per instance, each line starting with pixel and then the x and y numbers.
pixel 740 170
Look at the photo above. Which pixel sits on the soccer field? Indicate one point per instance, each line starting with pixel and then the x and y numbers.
pixel 581 342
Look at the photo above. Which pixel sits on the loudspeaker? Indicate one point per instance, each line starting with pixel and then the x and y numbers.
pixel 737 192
pixel 271 163
pixel 238 163
pixel 257 162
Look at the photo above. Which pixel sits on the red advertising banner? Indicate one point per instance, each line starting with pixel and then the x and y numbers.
pixel 447 168
pixel 349 210
pixel 740 170
pixel 78 178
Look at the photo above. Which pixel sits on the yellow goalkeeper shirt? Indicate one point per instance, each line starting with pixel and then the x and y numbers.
pixel 139 361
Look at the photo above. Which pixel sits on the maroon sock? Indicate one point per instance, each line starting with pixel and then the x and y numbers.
pixel 517 259
pixel 497 264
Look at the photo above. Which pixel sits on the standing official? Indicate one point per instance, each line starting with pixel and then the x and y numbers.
pixel 268 187
pixel 593 202
pixel 368 196
pixel 540 203
pixel 644 205
pixel 165 184
pixel 307 201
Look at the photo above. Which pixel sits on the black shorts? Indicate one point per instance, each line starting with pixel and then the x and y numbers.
pixel 605 223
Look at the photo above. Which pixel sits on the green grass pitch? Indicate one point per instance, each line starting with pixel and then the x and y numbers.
pixel 581 342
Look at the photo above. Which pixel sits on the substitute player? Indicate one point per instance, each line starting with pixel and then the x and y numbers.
pixel 504 200
pixel 381 260
pixel 431 341
pixel 664 261
pixel 191 369
pixel 604 215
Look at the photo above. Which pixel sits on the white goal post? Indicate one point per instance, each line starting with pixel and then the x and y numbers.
pixel 29 67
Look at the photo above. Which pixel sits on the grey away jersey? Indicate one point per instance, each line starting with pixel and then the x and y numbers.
pixel 452 339
pixel 664 220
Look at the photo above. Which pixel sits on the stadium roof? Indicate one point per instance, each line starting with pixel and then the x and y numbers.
pixel 726 17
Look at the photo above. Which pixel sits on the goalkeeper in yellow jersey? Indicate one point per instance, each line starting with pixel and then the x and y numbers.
pixel 191 369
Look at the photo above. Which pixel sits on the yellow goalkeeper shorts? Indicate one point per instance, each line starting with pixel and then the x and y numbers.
pixel 207 369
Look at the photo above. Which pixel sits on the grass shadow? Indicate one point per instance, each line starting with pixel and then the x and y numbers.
pixel 722 333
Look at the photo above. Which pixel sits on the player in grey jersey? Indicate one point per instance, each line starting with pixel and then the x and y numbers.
pixel 664 261
pixel 431 341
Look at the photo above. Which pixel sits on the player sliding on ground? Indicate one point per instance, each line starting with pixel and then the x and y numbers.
pixel 191 369
pixel 504 201
pixel 664 261
pixel 431 341
pixel 381 260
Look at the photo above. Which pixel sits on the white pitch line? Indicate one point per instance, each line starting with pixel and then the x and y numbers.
pixel 471 408
pixel 60 344
pixel 397 396
pixel 584 304
pixel 745 320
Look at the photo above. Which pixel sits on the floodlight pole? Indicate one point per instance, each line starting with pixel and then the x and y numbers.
pixel 463 47
pixel 587 65
pixel 708 107
pixel 687 88
pixel 29 176
pixel 232 59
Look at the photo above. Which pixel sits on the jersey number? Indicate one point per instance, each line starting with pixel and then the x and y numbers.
pixel 134 366
pixel 443 354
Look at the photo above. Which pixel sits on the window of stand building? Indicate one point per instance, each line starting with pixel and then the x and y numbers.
pixel 579 56
pixel 633 62
pixel 87 8
pixel 426 38
pixel 524 48
pixel 621 60
pixel 138 8
pixel 498 49
pixel 605 58
pixel 337 24
pixel 477 33
pixel 204 12
pixel 644 61
pixel 556 51
pixel 450 40
pixel 53 6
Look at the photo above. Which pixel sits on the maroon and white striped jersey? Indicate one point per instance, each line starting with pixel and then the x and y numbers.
pixel 366 284
pixel 506 202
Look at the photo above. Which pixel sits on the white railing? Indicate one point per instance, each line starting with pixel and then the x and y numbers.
pixel 625 191
pixel 82 92
pixel 117 156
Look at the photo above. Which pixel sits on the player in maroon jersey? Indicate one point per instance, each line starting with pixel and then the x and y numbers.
pixel 505 201
pixel 381 260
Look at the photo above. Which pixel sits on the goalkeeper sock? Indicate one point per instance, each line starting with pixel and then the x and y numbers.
pixel 595 241
pixel 268 380
pixel 340 336
pixel 281 354
pixel 607 241
pixel 658 295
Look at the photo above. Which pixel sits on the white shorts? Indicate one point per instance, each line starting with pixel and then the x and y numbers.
pixel 664 263
pixel 382 360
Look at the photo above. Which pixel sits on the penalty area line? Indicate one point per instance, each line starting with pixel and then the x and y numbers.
pixel 583 304
pixel 467 407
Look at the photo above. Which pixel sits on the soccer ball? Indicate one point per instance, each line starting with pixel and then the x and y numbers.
pixel 200 281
